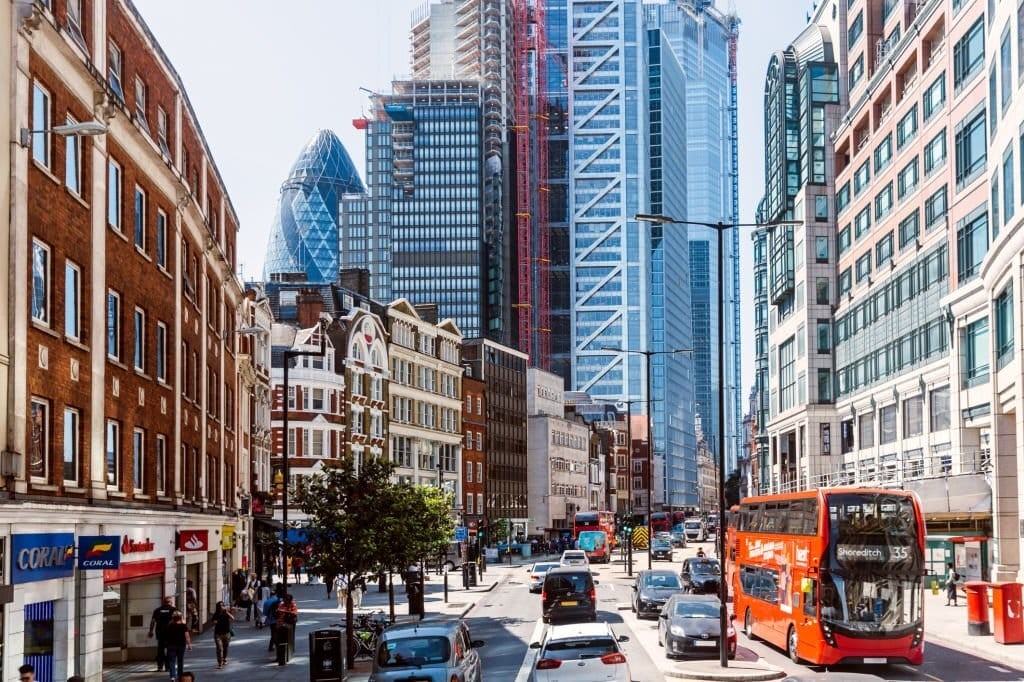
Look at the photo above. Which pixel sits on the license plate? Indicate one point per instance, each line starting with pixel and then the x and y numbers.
pixel 570 603
pixel 701 642
pixel 882 661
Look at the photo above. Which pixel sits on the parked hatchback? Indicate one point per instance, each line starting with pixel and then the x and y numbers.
pixel 569 595
pixel 430 650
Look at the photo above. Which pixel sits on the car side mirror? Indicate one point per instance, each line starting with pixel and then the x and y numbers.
pixel 597 582
pixel 534 645
pixel 662 615
pixel 623 638
pixel 477 643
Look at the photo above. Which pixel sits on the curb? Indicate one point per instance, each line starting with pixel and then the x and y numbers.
pixel 758 674
pixel 470 607
pixel 1012 657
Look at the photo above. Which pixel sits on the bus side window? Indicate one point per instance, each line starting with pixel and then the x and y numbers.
pixel 811 599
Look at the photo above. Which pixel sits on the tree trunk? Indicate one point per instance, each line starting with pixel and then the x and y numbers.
pixel 350 635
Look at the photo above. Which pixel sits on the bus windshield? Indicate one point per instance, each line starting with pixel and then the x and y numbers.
pixel 876 605
pixel 872 534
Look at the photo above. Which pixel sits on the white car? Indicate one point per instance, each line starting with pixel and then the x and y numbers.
pixel 581 652
pixel 574 557
pixel 537 572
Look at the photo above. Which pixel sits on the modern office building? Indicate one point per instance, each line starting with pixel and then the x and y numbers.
pixel 303 243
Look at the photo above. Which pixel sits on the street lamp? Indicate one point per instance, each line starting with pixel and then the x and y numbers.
pixel 720 228
pixel 86 128
pixel 289 354
pixel 648 354
pixel 629 481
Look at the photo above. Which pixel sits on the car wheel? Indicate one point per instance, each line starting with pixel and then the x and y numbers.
pixel 791 641
pixel 748 625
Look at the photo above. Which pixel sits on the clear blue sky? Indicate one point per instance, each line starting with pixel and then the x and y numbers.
pixel 264 75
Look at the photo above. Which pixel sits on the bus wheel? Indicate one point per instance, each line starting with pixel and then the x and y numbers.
pixel 791 645
pixel 748 625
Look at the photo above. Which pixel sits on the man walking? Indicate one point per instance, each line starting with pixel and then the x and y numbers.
pixel 158 625
pixel 952 582
pixel 270 618
pixel 341 588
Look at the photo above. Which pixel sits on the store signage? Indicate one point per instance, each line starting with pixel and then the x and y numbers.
pixel 227 537
pixel 193 540
pixel 99 552
pixel 132 546
pixel 41 556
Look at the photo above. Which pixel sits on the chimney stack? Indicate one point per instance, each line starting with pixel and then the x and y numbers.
pixel 310 305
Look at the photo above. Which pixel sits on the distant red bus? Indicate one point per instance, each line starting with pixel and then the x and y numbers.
pixel 832 575
pixel 596 520
pixel 660 521
pixel 678 517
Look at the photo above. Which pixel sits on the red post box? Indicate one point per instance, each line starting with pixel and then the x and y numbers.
pixel 1006 613
pixel 977 608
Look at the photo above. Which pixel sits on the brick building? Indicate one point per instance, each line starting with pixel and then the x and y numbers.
pixel 474 450
pixel 122 405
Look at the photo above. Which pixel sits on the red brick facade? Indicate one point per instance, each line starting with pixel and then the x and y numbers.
pixel 474 447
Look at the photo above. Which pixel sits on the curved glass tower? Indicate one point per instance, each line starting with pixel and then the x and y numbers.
pixel 304 238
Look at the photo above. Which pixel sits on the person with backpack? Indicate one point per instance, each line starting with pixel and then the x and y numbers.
pixel 952 582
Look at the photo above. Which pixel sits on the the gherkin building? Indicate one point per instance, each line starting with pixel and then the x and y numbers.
pixel 303 241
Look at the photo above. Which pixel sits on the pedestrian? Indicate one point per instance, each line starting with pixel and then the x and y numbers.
pixel 952 582
pixel 237 585
pixel 358 588
pixel 287 620
pixel 245 600
pixel 297 569
pixel 341 588
pixel 221 620
pixel 700 553
pixel 192 606
pixel 158 626
pixel 262 595
pixel 187 676
pixel 270 605
pixel 26 673
pixel 329 579
pixel 178 641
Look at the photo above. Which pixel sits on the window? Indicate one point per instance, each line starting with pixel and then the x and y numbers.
pixel 939 408
pixel 935 207
pixel 856 28
pixel 909 229
pixel 864 267
pixel 994 204
pixel 968 53
pixel 821 249
pixel 72 298
pixel 1005 68
pixel 114 70
pixel 139 459
pixel 72 164
pixel 824 388
pixel 72 445
pixel 40 125
pixel 469 467
pixel 140 340
pixel 866 430
pixel 934 97
pixel 160 462
pixel 40 283
pixel 787 375
pixel 913 416
pixel 972 245
pixel 844 240
pixel 993 111
pixel 479 468
pixel 1004 326
pixel 824 336
pixel 113 325
pixel 821 290
pixel 883 202
pixel 883 250
pixel 140 104
pixel 821 207
pixel 861 178
pixel 906 129
pixel 1020 42
pixel 480 504
pixel 846 434
pixel 935 152
pixel 887 423
pixel 469 503
pixel 845 281
pixel 883 154
pixel 479 446
pixel 161 131
pixel 74 17
pixel 976 364
pixel 161 239
pixel 114 195
pixel 907 180
pixel 862 223
pixel 140 218
pixel 856 71
pixel 970 148
pixel 113 453
pixel 39 439
pixel 842 197
pixel 161 351
pixel 1008 185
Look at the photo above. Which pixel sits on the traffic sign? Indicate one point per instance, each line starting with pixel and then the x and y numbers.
pixel 460 534
pixel 640 537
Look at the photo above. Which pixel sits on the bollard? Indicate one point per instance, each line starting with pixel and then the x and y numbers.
pixel 445 584
pixel 977 608
pixel 935 586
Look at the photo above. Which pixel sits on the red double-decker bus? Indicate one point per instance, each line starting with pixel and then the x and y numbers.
pixel 595 520
pixel 660 521
pixel 833 575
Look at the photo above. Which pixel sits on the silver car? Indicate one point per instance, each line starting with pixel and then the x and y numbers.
pixel 429 650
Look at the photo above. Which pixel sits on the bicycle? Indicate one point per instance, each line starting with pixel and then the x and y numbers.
pixel 367 628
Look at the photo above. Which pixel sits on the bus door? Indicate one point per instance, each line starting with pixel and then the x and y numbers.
pixel 806 596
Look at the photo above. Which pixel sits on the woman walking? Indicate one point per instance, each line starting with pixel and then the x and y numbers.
pixel 178 641
pixel 221 620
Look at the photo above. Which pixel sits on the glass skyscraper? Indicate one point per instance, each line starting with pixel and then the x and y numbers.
pixel 303 242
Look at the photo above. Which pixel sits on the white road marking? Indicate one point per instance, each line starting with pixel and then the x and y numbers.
pixel 531 654
pixel 999 670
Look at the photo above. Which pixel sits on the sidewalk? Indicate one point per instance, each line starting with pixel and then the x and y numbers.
pixel 947 626
pixel 249 659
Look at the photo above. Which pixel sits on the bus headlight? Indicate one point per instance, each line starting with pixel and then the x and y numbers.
pixel 918 635
pixel 829 637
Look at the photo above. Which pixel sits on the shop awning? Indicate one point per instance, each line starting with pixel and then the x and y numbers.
pixel 133 570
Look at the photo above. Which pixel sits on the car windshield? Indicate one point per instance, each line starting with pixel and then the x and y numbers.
pixel 708 567
pixel 413 651
pixel 566 582
pixel 543 568
pixel 696 609
pixel 876 604
pixel 693 525
pixel 662 544
pixel 662 580
pixel 576 649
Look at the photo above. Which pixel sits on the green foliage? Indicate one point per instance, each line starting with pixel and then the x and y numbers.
pixel 498 530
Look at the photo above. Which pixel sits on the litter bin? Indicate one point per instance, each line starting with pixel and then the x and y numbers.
pixel 1008 621
pixel 414 590
pixel 468 575
pixel 326 656
pixel 285 641
pixel 977 608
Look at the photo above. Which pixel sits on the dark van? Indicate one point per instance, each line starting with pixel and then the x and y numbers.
pixel 569 595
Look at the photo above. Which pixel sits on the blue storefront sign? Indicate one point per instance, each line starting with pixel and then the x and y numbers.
pixel 99 552
pixel 41 556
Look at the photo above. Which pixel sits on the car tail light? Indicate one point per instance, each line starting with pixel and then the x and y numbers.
pixel 455 678
pixel 611 659
pixel 593 595
pixel 549 663
pixel 543 595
